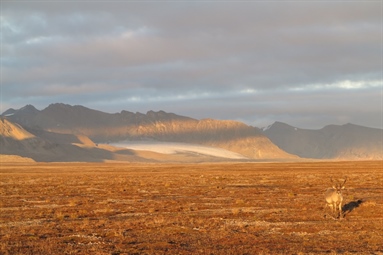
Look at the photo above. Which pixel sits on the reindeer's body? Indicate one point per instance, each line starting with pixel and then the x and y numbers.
pixel 334 198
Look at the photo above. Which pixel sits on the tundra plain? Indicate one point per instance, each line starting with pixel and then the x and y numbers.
pixel 206 208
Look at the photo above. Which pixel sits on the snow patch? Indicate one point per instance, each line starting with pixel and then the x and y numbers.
pixel 173 148
pixel 266 128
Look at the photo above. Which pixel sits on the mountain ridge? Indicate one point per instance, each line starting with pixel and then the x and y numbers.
pixel 66 124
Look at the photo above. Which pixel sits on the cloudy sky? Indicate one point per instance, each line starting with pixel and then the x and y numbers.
pixel 306 63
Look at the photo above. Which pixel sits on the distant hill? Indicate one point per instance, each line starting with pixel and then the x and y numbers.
pixel 103 127
pixel 347 141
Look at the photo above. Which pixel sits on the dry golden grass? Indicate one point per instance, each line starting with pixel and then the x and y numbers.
pixel 232 208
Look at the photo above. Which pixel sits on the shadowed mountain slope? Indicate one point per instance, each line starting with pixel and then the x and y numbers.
pixel 347 141
pixel 15 140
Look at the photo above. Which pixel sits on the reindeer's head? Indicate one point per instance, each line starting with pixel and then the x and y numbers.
pixel 338 186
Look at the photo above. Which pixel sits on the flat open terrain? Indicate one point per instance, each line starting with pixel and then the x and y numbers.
pixel 222 208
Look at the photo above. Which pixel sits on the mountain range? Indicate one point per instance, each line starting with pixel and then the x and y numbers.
pixel 64 132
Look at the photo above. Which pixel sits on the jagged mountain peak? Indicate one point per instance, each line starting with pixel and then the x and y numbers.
pixel 281 126
pixel 28 107
pixel 25 110
pixel 9 112
pixel 60 107
pixel 162 115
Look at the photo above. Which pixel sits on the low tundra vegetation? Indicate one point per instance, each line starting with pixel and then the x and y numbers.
pixel 221 208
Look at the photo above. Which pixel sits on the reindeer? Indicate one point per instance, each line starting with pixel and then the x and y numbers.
pixel 334 198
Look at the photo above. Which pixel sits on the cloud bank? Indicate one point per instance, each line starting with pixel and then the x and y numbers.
pixel 305 63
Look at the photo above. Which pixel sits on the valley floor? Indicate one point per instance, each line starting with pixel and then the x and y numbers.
pixel 216 208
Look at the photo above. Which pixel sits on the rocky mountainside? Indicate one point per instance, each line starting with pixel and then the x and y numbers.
pixel 15 140
pixel 103 127
pixel 347 141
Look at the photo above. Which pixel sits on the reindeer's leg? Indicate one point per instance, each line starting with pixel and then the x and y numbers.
pixel 334 210
pixel 324 210
pixel 331 212
pixel 340 211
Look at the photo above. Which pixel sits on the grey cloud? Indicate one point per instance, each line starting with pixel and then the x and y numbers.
pixel 121 55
